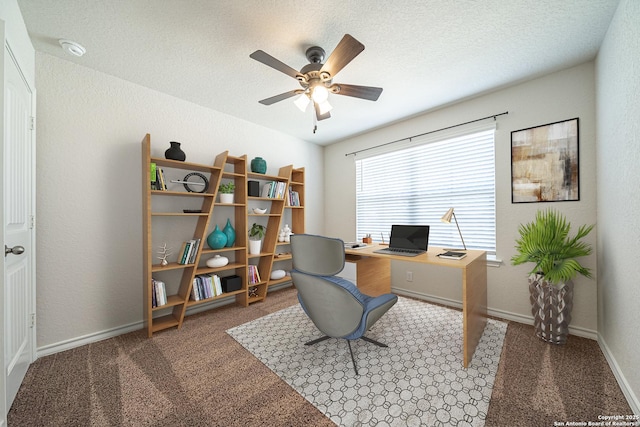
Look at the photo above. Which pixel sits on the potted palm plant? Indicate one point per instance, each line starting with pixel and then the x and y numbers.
pixel 546 243
pixel 255 238
pixel 226 192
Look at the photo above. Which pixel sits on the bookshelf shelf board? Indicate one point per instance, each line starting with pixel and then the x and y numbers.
pixel 191 303
pixel 263 177
pixel 266 199
pixel 179 193
pixel 209 251
pixel 281 257
pixel 196 214
pixel 231 205
pixel 230 175
pixel 235 160
pixel 254 299
pixel 208 270
pixel 164 322
pixel 170 266
pixel 260 255
pixel 184 165
pixel 171 301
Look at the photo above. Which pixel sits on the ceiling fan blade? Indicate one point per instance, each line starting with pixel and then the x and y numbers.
pixel 347 49
pixel 278 98
pixel 272 62
pixel 365 92
pixel 320 116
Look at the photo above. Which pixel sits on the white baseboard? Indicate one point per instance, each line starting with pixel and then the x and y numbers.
pixel 87 339
pixel 501 314
pixel 426 297
pixel 114 332
pixel 632 399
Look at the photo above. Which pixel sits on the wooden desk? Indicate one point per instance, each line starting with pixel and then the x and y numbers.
pixel 376 280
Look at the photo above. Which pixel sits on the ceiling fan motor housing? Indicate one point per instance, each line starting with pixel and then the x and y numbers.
pixel 315 54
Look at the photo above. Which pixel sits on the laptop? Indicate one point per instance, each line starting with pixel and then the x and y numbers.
pixel 407 240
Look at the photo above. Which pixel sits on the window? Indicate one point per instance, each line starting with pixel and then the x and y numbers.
pixel 419 183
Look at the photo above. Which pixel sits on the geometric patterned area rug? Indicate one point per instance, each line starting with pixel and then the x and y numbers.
pixel 417 381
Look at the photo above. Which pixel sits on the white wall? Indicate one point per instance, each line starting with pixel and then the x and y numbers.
pixel 89 223
pixel 559 96
pixel 618 82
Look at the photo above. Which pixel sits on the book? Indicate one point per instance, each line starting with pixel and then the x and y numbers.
pixel 152 175
pixel 182 252
pixel 195 295
pixel 159 183
pixel 266 190
pixel 160 293
pixel 254 275
pixel 217 284
pixel 194 251
pixel 184 259
pixel 452 255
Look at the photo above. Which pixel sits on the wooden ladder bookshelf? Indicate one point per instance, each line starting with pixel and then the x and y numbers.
pixel 163 210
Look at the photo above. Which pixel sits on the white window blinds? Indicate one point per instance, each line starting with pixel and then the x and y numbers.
pixel 417 185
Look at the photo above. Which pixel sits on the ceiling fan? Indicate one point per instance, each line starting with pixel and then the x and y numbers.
pixel 316 78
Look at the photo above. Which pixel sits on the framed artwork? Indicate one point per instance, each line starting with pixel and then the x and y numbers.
pixel 544 163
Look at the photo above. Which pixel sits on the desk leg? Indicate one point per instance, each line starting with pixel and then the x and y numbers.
pixel 474 306
pixel 373 274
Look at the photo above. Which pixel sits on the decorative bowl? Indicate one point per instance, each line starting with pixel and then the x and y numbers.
pixel 217 261
pixel 259 210
pixel 277 274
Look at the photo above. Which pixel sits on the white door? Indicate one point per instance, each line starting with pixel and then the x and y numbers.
pixel 18 205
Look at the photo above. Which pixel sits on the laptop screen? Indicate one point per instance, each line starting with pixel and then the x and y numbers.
pixel 409 237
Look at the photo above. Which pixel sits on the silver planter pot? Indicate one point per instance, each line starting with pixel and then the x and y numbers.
pixel 551 308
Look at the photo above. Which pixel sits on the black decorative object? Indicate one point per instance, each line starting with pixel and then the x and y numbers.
pixel 254 188
pixel 259 165
pixel 231 283
pixel 174 152
pixel 195 182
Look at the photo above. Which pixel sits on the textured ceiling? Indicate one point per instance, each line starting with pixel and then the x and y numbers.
pixel 423 53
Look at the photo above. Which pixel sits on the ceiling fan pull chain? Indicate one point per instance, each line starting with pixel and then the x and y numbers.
pixel 315 123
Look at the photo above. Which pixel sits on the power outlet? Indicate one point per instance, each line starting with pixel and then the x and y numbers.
pixel 409 276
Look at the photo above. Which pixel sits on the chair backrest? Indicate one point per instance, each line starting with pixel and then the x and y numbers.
pixel 317 255
pixel 331 307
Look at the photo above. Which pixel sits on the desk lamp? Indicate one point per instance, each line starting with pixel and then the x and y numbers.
pixel 447 219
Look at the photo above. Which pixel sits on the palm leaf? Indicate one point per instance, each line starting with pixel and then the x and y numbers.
pixel 546 243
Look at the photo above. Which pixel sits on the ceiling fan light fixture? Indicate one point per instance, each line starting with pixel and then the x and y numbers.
pixel 302 102
pixel 324 107
pixel 320 94
pixel 72 48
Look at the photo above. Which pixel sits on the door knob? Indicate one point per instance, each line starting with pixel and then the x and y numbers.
pixel 16 250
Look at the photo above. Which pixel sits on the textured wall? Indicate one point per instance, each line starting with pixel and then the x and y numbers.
pixel 618 83
pixel 554 97
pixel 89 218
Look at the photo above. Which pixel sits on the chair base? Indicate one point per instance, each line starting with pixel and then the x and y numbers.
pixel 353 360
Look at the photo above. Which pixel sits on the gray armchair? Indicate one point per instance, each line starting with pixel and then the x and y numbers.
pixel 334 305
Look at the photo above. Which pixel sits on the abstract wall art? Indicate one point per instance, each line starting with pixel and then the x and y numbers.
pixel 544 163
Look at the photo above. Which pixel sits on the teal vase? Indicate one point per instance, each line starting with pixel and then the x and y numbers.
pixel 230 233
pixel 259 165
pixel 217 239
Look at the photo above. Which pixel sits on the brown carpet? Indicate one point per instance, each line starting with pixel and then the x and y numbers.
pixel 200 376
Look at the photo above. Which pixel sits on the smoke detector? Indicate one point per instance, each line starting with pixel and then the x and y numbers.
pixel 72 48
